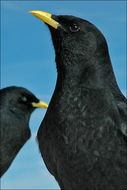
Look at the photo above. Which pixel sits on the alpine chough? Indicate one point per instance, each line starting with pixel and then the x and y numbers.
pixel 16 106
pixel 83 136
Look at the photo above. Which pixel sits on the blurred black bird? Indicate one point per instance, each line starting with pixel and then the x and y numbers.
pixel 83 136
pixel 16 106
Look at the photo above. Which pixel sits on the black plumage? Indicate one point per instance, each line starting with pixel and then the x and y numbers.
pixel 16 106
pixel 83 136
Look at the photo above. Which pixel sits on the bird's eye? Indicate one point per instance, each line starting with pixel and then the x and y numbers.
pixel 74 28
pixel 24 99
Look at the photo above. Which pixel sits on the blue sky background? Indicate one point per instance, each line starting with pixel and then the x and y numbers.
pixel 27 59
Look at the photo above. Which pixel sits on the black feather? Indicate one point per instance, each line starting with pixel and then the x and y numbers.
pixel 15 111
pixel 82 137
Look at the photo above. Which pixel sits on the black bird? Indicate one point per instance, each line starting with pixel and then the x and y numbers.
pixel 16 106
pixel 83 136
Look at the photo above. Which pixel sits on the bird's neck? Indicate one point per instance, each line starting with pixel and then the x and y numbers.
pixel 89 74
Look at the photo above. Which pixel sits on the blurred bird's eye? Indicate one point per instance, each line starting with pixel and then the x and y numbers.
pixel 24 99
pixel 74 28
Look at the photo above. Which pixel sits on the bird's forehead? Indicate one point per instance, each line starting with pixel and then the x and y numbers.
pixel 66 18
pixel 20 91
pixel 28 94
pixel 70 20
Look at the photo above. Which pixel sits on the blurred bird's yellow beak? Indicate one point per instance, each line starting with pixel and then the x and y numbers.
pixel 40 104
pixel 45 17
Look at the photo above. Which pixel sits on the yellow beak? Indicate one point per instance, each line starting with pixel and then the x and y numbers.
pixel 45 17
pixel 40 104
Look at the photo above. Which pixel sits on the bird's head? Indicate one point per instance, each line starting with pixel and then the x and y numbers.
pixel 75 40
pixel 81 50
pixel 20 101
